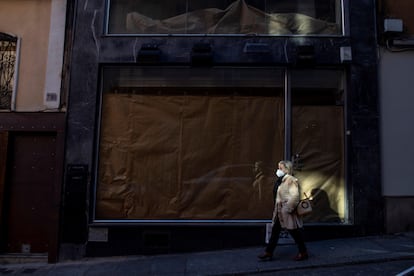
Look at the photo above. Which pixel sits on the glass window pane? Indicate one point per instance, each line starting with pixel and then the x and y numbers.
pixel 240 17
pixel 318 141
pixel 201 149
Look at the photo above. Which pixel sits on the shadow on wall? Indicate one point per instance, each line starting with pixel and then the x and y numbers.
pixel 321 208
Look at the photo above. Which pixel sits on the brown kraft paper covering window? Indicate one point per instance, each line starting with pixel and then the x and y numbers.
pixel 318 139
pixel 187 157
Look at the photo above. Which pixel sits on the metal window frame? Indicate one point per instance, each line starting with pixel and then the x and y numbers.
pixel 197 222
pixel 15 72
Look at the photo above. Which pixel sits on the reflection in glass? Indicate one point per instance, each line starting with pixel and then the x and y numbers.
pixel 262 17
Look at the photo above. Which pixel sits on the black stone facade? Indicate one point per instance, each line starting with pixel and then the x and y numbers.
pixel 90 48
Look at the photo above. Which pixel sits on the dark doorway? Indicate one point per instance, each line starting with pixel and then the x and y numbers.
pixel 28 193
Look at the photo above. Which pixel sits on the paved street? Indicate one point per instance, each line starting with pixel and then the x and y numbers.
pixel 377 269
pixel 374 255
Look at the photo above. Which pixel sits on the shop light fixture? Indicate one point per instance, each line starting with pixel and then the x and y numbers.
pixel 149 53
pixel 202 54
pixel 305 55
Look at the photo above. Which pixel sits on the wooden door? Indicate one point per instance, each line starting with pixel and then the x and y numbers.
pixel 28 192
pixel 3 157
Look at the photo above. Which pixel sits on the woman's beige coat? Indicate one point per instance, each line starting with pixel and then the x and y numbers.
pixel 287 198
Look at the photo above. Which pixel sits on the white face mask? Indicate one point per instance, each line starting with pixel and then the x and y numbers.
pixel 280 173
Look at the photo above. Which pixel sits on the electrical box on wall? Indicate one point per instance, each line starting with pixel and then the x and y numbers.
pixel 393 25
pixel 345 54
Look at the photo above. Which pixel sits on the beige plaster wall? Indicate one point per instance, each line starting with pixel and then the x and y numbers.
pixel 397 131
pixel 29 20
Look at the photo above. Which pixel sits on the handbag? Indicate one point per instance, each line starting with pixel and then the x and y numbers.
pixel 304 206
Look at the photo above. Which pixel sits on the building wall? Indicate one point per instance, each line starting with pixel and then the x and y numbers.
pixel 39 26
pixel 397 133
pixel 396 62
pixel 397 130
pixel 92 48
pixel 399 9
pixel 41 49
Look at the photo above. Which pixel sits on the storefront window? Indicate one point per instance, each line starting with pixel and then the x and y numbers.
pixel 318 141
pixel 228 17
pixel 189 144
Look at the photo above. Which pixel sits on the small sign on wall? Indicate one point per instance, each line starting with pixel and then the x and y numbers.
pixel 26 248
pixel 98 234
pixel 51 100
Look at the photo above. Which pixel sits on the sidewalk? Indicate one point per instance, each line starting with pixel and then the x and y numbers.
pixel 325 253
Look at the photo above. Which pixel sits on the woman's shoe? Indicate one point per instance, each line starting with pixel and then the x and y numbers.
pixel 266 256
pixel 301 256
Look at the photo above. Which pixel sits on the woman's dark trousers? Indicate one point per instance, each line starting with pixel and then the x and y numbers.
pixel 296 234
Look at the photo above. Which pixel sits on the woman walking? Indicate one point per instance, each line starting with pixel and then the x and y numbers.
pixel 284 214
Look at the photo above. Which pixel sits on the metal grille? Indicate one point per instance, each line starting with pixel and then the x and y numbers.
pixel 7 67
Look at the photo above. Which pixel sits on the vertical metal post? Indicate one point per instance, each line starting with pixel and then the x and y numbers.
pixel 344 10
pixel 16 76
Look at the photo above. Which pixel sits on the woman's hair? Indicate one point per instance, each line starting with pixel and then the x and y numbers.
pixel 288 165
